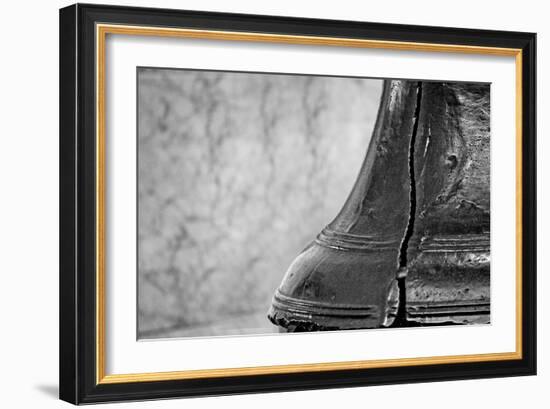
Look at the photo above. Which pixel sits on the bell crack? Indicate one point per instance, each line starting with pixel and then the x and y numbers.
pixel 401 316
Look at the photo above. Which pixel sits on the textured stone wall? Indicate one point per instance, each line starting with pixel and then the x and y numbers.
pixel 237 172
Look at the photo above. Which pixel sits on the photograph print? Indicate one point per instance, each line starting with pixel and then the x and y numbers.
pixel 274 203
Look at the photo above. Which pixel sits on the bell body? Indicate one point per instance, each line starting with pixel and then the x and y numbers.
pixel 448 255
pixel 346 278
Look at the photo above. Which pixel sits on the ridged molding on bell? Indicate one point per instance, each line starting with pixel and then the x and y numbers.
pixel 448 271
pixel 345 279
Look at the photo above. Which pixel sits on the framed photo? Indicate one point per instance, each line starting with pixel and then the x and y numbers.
pixel 258 203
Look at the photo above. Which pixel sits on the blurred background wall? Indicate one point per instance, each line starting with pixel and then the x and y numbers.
pixel 237 172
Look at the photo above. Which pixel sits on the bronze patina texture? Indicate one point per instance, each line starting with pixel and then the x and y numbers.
pixel 448 255
pixel 346 278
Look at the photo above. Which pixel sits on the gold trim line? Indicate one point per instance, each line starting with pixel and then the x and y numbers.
pixel 287 369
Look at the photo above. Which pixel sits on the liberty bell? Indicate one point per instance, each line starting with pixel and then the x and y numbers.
pixel 346 278
pixel 411 243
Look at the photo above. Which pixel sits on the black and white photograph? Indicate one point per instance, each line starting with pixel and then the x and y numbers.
pixel 272 203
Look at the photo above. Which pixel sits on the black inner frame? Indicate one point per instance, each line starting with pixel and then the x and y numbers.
pixel 77 204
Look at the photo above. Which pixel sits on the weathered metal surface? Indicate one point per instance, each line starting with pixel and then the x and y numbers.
pixel 448 255
pixel 345 278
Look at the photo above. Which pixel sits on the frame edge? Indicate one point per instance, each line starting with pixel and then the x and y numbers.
pixel 529 205
pixel 68 380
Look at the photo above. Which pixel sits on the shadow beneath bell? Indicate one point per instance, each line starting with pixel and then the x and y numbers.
pixel 50 390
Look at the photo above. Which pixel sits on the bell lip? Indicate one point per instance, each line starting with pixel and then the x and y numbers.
pixel 476 311
pixel 305 307
pixel 299 315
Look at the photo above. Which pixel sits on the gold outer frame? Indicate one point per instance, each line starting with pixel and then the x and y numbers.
pixel 102 30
